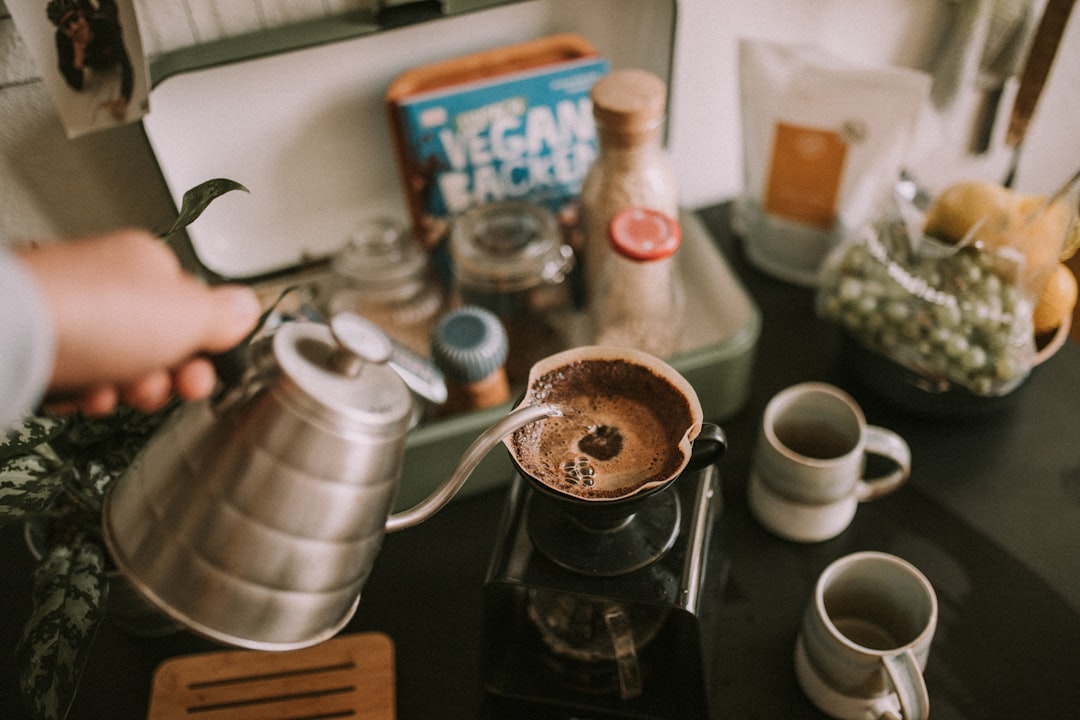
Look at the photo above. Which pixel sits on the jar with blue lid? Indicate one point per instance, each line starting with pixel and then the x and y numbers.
pixel 469 346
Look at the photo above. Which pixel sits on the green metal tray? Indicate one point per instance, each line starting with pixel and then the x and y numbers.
pixel 716 356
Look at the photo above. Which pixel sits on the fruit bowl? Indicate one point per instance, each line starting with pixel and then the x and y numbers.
pixel 944 326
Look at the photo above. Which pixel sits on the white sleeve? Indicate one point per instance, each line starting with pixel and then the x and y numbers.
pixel 27 344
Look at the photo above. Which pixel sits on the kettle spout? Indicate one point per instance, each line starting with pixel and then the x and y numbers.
pixel 518 418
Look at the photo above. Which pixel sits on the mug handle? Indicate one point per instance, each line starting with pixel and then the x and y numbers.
pixel 885 443
pixel 910 687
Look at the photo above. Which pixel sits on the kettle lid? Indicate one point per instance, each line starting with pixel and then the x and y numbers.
pixel 339 374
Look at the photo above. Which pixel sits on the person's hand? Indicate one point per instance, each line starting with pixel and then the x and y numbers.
pixel 130 324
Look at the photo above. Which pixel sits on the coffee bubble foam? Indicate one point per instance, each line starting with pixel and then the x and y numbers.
pixel 619 432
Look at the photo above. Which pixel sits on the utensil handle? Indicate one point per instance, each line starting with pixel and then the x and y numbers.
pixel 1044 46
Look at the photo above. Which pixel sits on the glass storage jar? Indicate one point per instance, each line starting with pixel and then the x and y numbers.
pixel 509 258
pixel 385 275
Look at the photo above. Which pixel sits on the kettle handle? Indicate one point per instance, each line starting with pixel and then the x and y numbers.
pixel 233 366
pixel 518 418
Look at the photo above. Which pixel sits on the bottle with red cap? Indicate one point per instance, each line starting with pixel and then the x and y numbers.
pixel 638 302
pixel 632 167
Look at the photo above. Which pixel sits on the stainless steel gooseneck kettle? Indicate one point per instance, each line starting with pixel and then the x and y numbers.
pixel 256 522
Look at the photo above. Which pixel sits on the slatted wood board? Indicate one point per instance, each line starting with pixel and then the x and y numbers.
pixel 351 676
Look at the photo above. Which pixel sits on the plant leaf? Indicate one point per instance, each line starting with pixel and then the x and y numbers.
pixel 87 431
pixel 70 589
pixel 29 433
pixel 98 477
pixel 28 486
pixel 124 422
pixel 198 198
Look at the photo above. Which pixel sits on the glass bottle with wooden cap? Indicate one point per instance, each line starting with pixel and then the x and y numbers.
pixel 639 300
pixel 632 167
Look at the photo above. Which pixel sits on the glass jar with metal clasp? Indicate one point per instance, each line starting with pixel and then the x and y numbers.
pixel 384 274
pixel 509 257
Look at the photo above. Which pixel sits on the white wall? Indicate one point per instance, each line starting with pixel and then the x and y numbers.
pixel 53 186
pixel 705 116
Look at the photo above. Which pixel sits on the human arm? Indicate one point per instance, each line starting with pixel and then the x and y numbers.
pixel 26 343
pixel 70 61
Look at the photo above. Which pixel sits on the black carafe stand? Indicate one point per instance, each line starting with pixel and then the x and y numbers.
pixel 672 604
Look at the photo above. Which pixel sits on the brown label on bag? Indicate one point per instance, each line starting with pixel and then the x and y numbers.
pixel 804 174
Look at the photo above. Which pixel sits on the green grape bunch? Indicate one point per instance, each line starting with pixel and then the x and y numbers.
pixel 956 315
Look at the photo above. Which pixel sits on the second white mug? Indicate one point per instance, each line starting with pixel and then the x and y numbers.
pixel 807 475
pixel 865 638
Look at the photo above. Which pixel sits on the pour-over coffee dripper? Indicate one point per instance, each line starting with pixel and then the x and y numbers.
pixel 600 600
pixel 634 425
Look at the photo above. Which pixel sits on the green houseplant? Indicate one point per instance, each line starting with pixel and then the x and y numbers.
pixel 54 473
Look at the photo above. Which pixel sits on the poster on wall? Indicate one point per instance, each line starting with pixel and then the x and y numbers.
pixel 90 58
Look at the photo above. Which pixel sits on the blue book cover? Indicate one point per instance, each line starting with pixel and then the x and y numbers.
pixel 520 136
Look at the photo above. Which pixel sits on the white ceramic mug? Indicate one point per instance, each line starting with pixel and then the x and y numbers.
pixel 807 475
pixel 865 639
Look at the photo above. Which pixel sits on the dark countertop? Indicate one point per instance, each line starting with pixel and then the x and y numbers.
pixel 991 515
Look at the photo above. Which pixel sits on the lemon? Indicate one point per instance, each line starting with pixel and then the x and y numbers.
pixel 960 206
pixel 999 218
pixel 1073 243
pixel 1041 233
pixel 1058 299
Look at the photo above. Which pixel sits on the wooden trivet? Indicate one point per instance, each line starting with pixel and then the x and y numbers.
pixel 351 676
